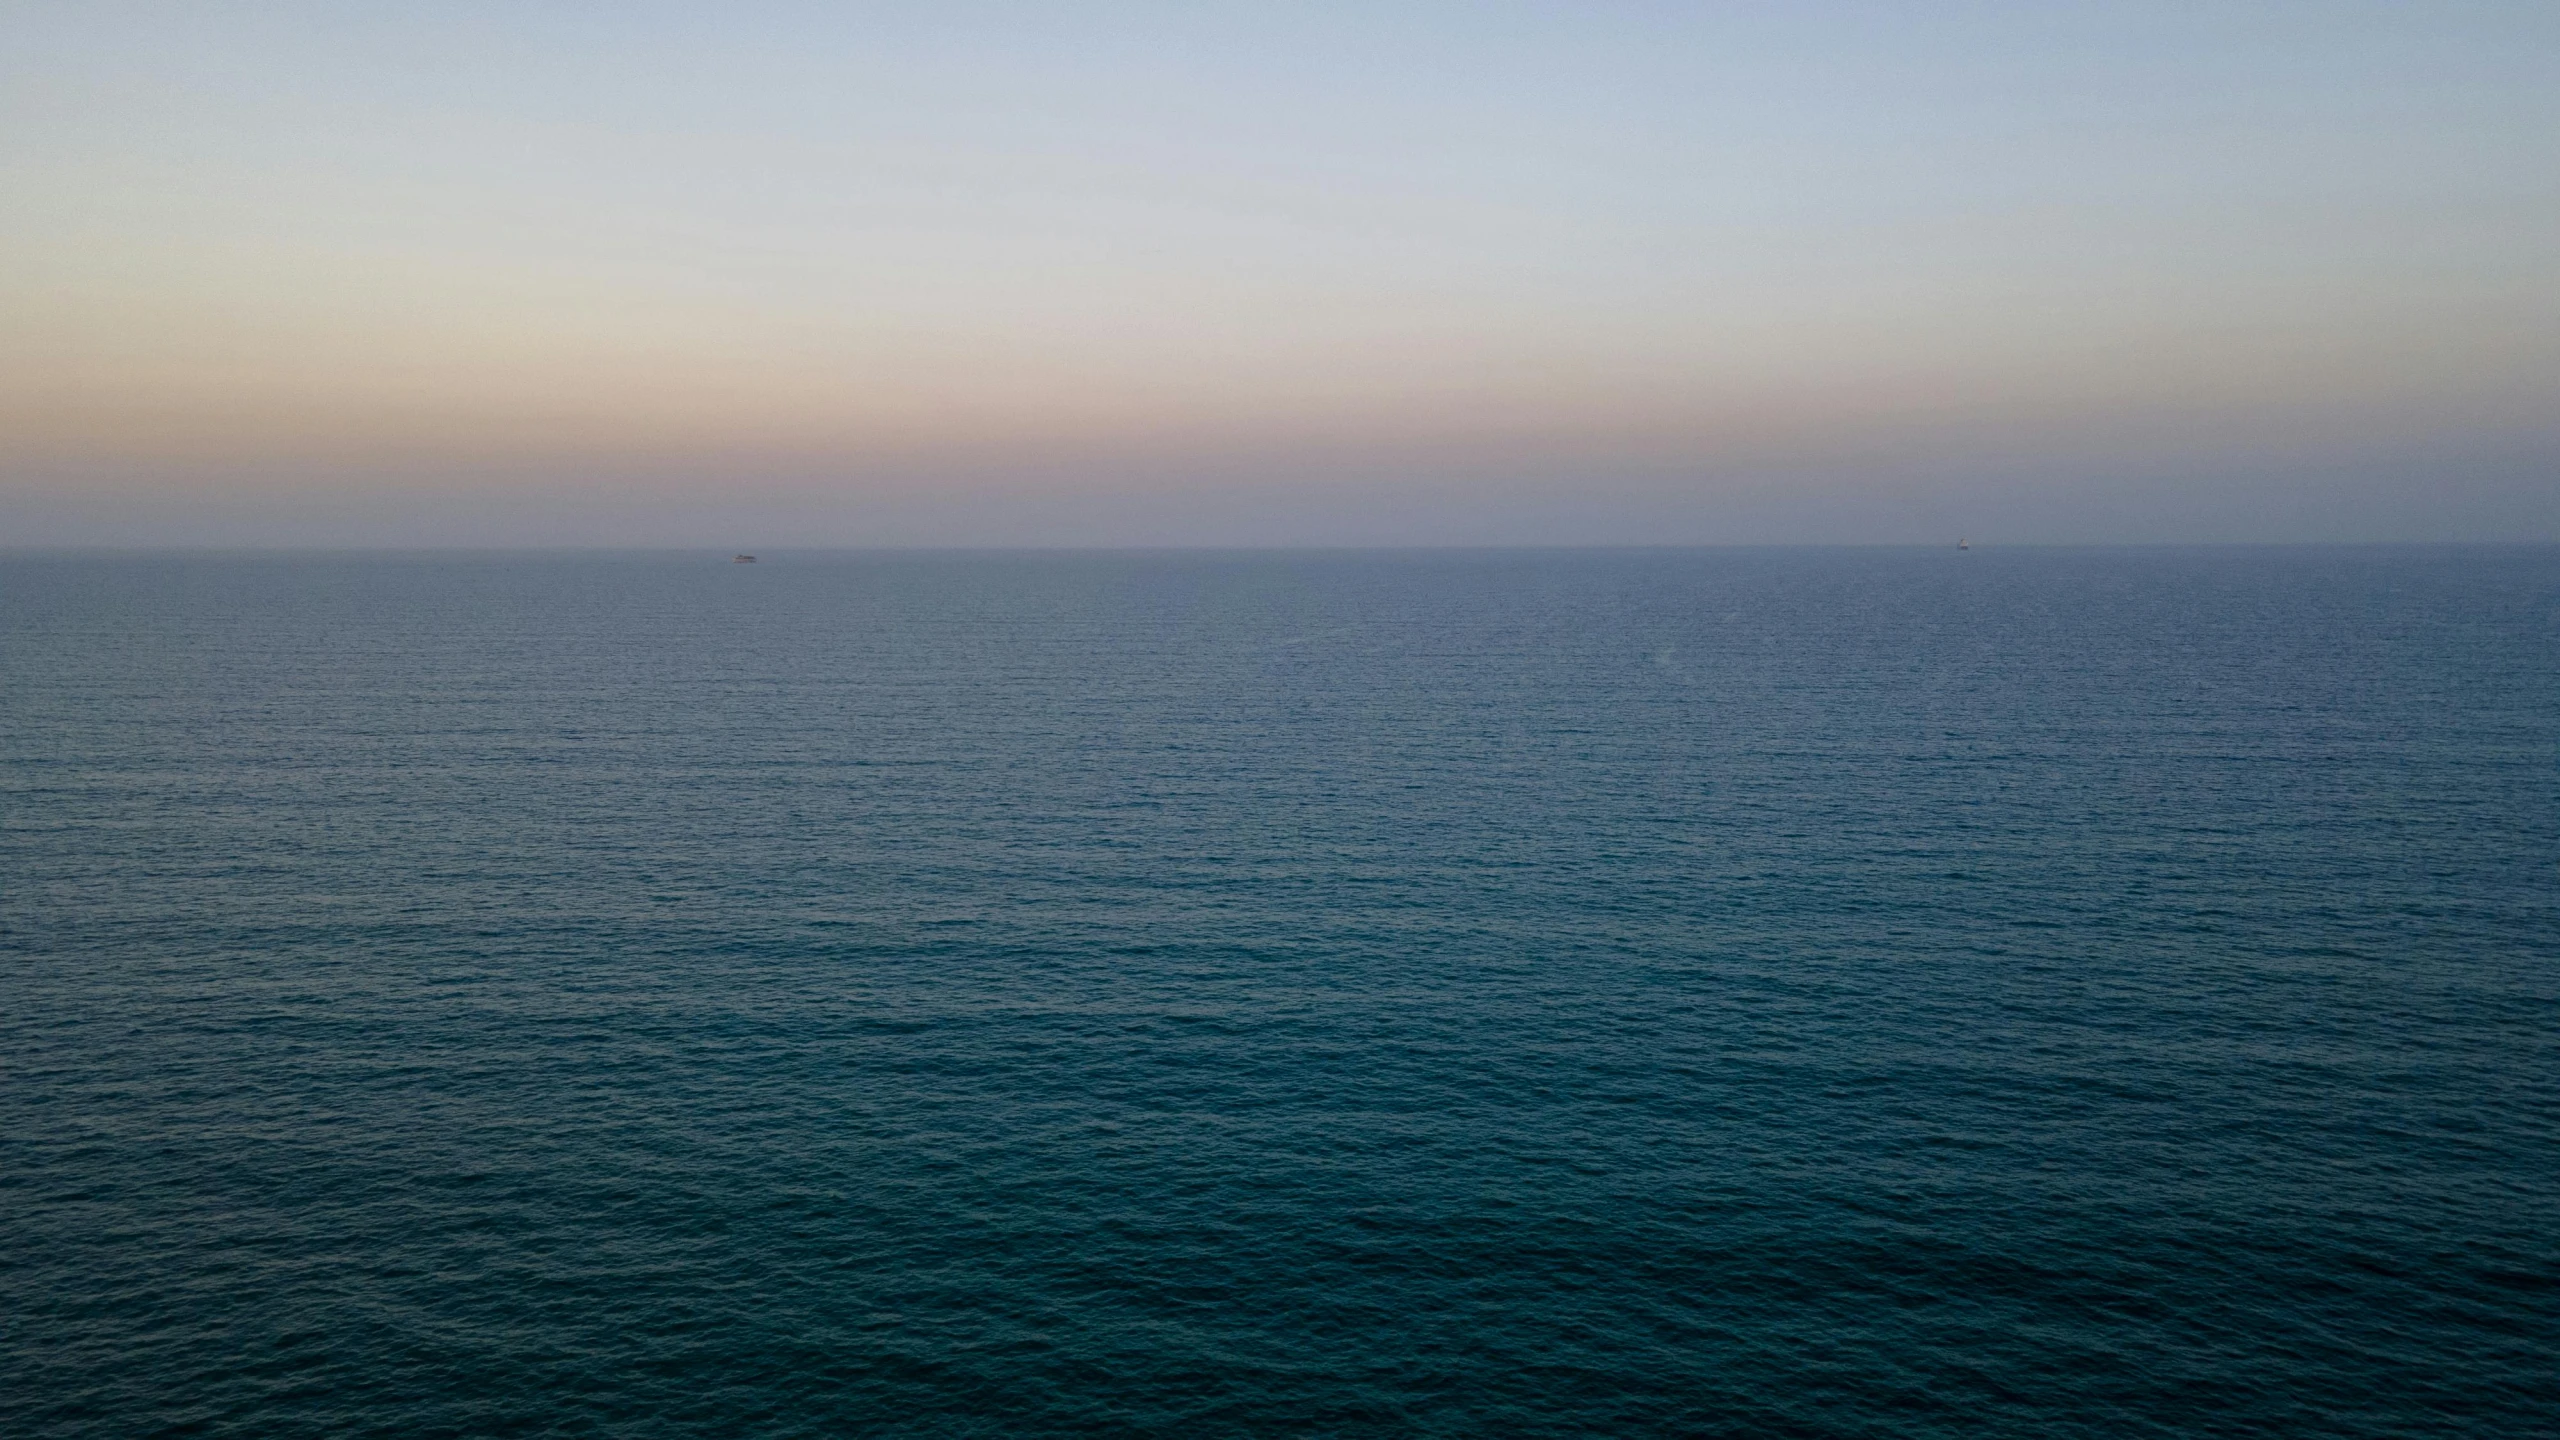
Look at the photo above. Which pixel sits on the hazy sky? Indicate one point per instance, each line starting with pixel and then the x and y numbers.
pixel 760 274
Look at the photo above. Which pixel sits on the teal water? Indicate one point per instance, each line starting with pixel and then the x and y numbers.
pixel 1878 993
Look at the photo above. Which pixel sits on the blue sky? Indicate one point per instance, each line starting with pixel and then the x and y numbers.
pixel 1130 274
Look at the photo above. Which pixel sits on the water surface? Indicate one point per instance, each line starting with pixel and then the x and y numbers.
pixel 1883 993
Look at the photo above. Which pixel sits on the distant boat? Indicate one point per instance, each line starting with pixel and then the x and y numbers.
pixel 742 559
pixel 1959 545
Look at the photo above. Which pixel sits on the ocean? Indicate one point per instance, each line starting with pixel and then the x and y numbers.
pixel 1860 992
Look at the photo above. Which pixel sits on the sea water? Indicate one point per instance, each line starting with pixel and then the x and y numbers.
pixel 1858 992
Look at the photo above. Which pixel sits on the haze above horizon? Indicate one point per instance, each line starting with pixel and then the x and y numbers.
pixel 1145 275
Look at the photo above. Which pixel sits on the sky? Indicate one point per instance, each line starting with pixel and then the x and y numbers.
pixel 1210 274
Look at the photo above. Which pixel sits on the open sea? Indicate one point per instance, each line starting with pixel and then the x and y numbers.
pixel 2038 993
